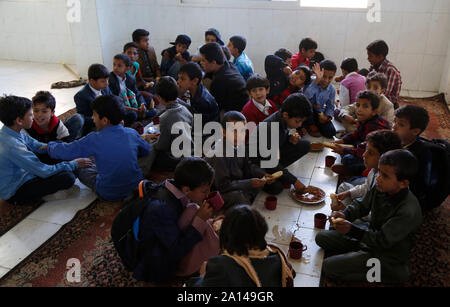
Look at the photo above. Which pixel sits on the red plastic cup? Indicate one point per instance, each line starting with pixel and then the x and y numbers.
pixel 216 200
pixel 320 220
pixel 296 250
pixel 271 203
pixel 329 161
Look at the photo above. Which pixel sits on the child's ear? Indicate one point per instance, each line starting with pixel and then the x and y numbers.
pixel 383 90
pixel 224 133
pixel 404 184
pixel 268 89
pixel 285 115
pixel 185 190
pixel 416 131
pixel 53 113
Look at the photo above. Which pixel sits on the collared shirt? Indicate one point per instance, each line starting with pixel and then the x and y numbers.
pixel 394 80
pixel 263 108
pixel 322 99
pixel 122 84
pixel 96 92
pixel 204 103
pixel 177 193
pixel 116 150
pixel 244 65
pixel 19 164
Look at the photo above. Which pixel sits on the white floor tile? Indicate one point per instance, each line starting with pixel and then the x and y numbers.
pixel 3 271
pixel 306 218
pixel 63 211
pixel 325 179
pixel 304 167
pixel 306 281
pixel 23 239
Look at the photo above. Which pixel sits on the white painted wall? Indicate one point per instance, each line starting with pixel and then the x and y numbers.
pixel 445 81
pixel 417 31
pixel 35 30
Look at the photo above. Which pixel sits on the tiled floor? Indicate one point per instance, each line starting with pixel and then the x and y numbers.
pixel 290 218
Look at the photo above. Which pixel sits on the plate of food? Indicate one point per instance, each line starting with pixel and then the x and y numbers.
pixel 310 196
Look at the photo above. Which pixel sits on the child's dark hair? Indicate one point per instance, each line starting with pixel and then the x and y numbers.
pixel 307 44
pixel 283 54
pixel 403 161
pixel 376 77
pixel 213 52
pixel 239 42
pixel 167 88
pixel 256 80
pixel 378 47
pixel 373 98
pixel 297 105
pixel 139 34
pixel 193 70
pixel 350 65
pixel 109 106
pixel 308 73
pixel 129 45
pixel 243 228
pixel 98 71
pixel 384 140
pixel 13 107
pixel 328 65
pixel 46 98
pixel 124 58
pixel 363 72
pixel 226 52
pixel 232 116
pixel 193 172
pixel 416 116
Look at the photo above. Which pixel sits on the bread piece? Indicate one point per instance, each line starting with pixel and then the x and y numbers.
pixel 334 200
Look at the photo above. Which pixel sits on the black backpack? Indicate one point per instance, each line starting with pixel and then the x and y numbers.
pixel 440 169
pixel 123 228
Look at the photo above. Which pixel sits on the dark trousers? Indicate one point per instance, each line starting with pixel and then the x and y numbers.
pixel 327 130
pixel 353 164
pixel 129 118
pixel 37 188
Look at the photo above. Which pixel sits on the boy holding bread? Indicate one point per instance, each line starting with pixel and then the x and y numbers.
pixel 388 237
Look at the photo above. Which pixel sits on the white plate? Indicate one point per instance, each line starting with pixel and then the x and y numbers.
pixel 292 192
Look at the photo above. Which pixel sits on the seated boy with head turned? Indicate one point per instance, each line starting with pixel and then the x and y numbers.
pixel 428 186
pixel 377 52
pixel 295 110
pixel 237 178
pixel 98 76
pixel 307 50
pixel 175 113
pixel 388 237
pixel 212 35
pixel 297 82
pixel 378 142
pixel 367 104
pixel 259 107
pixel 352 84
pixel 147 57
pixel 322 95
pixel 278 69
pixel 174 57
pixel 165 238
pixel 200 101
pixel 376 83
pixel 115 149
pixel 242 62
pixel 24 178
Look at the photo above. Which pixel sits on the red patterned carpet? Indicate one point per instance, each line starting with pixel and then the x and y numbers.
pixel 87 238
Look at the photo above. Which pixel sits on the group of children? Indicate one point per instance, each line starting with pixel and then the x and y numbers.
pixel 171 232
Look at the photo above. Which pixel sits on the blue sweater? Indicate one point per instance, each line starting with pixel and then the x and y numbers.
pixel 19 164
pixel 116 150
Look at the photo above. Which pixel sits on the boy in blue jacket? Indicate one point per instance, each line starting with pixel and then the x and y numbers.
pixel 115 149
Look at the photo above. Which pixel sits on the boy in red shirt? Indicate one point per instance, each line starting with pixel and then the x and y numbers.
pixel 307 50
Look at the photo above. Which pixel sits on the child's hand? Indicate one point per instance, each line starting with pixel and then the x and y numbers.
pixel 258 183
pixel 287 71
pixel 350 119
pixel 299 187
pixel 149 137
pixel 339 79
pixel 84 162
pixel 166 56
pixel 339 142
pixel 43 148
pixel 323 119
pixel 206 211
pixel 344 195
pixel 318 72
pixel 269 179
pixel 340 206
pixel 339 149
pixel 178 57
pixel 343 227
pixel 294 139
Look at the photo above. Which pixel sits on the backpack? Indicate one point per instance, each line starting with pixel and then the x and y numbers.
pixel 440 173
pixel 125 228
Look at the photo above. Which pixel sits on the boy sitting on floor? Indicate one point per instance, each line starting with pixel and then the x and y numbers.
pixel 174 57
pixel 368 120
pixel 322 95
pixel 388 237
pixel 164 241
pixel 115 149
pixel 376 83
pixel 24 178
pixel 259 107
pixel 298 82
pixel 237 179
pixel 307 50
pixel 378 142
pixel 278 69
pixel 242 62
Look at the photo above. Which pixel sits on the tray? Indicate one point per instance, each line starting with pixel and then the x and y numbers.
pixel 319 190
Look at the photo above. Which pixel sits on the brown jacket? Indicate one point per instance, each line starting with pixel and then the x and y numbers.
pixel 151 70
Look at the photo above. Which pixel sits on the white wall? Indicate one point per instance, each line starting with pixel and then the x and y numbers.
pixel 417 31
pixel 445 81
pixel 36 31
